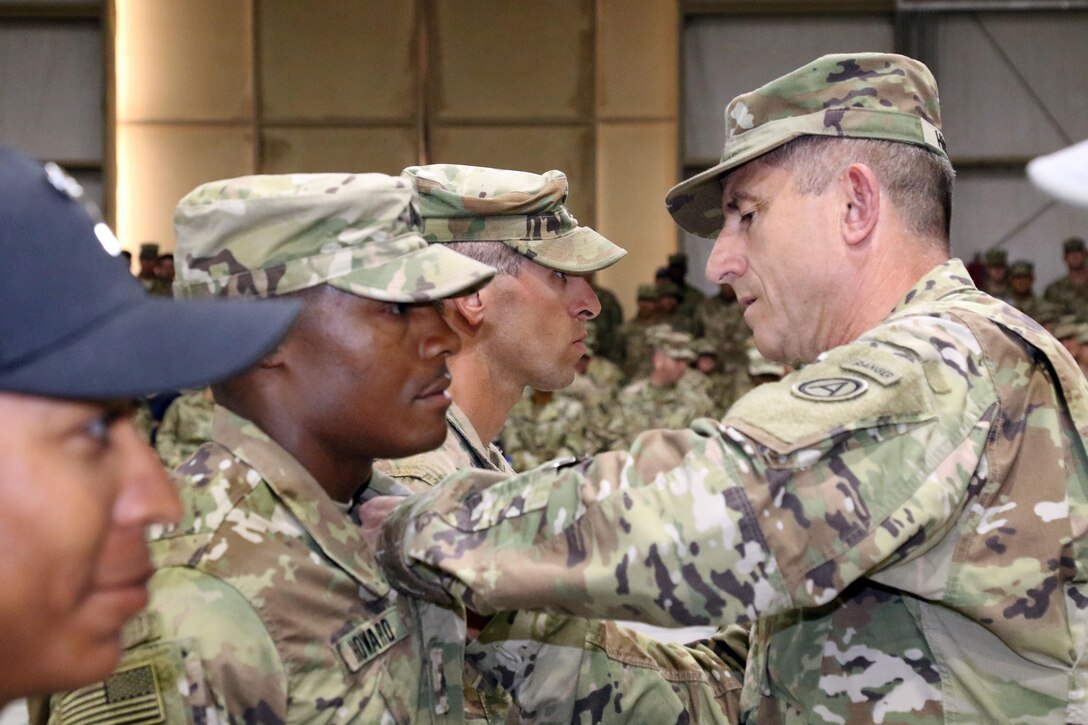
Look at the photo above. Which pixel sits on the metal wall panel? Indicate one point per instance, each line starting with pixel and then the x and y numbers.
pixel 1012 85
pixel 51 89
pixel 727 56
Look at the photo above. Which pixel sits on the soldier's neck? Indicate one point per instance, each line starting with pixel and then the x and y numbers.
pixel 482 393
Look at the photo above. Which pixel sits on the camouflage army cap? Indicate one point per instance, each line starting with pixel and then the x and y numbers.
pixel 703 346
pixel 1073 244
pixel 674 343
pixel 524 211
pixel 262 236
pixel 1022 268
pixel 648 292
pixel 759 366
pixel 851 95
pixel 996 257
pixel 149 250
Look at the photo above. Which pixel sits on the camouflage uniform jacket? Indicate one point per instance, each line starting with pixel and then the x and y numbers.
pixel 903 520
pixel 636 354
pixel 462 449
pixel 722 322
pixel 534 434
pixel 586 670
pixel 186 425
pixel 267 606
pixel 1071 297
pixel 644 406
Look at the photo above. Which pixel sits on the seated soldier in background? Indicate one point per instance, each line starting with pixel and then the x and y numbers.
pixel 1021 288
pixel 997 272
pixel 78 487
pixel 718 385
pixel 266 605
pixel 670 396
pixel 1070 292
pixel 633 345
pixel 541 426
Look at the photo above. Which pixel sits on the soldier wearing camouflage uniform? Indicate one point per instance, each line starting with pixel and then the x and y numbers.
pixel 690 297
pixel 186 425
pixel 526 328
pixel 1071 291
pixel 668 397
pixel 607 323
pixel 634 347
pixel 541 426
pixel 903 520
pixel 997 273
pixel 720 319
pixel 267 606
pixel 1021 292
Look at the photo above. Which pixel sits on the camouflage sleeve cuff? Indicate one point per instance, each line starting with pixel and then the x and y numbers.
pixel 403 572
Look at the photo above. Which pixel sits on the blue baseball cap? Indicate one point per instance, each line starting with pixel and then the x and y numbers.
pixel 74 322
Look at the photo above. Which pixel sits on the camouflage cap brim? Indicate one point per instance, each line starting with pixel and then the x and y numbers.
pixel 859 95
pixel 430 273
pixel 580 251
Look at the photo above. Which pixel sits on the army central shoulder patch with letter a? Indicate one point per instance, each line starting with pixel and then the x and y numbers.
pixel 831 389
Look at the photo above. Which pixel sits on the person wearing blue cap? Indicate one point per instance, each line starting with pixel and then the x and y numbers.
pixel 79 338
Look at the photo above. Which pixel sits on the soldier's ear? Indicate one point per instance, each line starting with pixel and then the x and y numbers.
pixel 470 308
pixel 860 203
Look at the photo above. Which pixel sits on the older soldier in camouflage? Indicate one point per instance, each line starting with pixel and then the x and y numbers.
pixel 267 606
pixel 527 328
pixel 903 520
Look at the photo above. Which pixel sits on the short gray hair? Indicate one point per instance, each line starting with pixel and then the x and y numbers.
pixel 494 254
pixel 917 181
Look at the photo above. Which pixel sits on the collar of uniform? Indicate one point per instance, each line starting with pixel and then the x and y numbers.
pixel 944 279
pixel 485 452
pixel 330 528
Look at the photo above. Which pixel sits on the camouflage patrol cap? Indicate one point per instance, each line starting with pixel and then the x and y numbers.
pixel 1073 244
pixel 149 250
pixel 852 95
pixel 759 366
pixel 674 343
pixel 648 292
pixel 262 236
pixel 703 346
pixel 1021 268
pixel 524 211
pixel 996 257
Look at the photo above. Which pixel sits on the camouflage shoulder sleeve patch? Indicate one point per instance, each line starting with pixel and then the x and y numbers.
pixel 854 387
